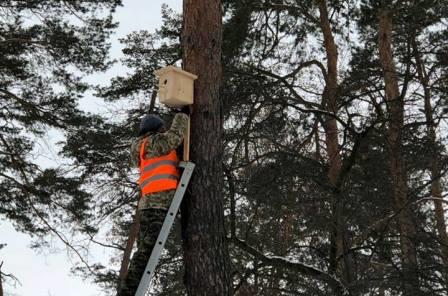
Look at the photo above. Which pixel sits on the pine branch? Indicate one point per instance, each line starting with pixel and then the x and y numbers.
pixel 281 262
pixel 25 187
pixel 8 275
pixel 34 108
pixel 23 41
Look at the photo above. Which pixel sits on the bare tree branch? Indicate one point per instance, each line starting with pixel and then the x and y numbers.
pixel 299 267
pixel 25 187
pixel 22 40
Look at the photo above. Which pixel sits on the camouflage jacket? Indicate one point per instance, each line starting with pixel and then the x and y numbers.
pixel 159 144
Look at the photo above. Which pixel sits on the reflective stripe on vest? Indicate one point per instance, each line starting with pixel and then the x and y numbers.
pixel 159 163
pixel 159 173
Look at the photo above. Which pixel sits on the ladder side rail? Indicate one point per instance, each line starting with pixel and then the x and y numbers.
pixel 166 227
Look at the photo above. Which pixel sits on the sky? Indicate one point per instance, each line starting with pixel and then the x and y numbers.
pixel 47 273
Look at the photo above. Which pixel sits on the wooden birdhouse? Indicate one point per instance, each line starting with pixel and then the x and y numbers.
pixel 176 86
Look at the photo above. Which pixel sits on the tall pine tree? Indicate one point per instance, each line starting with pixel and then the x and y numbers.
pixel 46 48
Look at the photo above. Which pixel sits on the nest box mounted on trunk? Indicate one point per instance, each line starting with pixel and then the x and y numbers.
pixel 175 86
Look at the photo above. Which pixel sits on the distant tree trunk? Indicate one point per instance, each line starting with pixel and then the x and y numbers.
pixel 1 284
pixel 396 161
pixel 133 233
pixel 205 249
pixel 1 279
pixel 433 163
pixel 339 259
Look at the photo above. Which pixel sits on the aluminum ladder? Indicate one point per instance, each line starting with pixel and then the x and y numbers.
pixel 145 281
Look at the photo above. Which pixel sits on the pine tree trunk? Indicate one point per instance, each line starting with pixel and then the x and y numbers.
pixel 396 161
pixel 339 232
pixel 433 163
pixel 205 250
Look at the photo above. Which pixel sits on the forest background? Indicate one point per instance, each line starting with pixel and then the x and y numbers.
pixel 334 143
pixel 53 263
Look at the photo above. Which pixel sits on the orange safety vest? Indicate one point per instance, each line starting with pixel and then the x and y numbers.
pixel 159 173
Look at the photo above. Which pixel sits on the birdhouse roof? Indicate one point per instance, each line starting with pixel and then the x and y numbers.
pixel 168 69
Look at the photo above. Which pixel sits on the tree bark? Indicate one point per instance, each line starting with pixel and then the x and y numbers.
pixel 396 161
pixel 205 249
pixel 1 283
pixel 1 279
pixel 340 261
pixel 133 233
pixel 433 163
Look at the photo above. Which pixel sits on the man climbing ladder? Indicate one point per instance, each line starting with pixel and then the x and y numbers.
pixel 154 152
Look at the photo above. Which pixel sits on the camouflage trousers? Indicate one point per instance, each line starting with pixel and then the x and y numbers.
pixel 159 200
pixel 151 221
